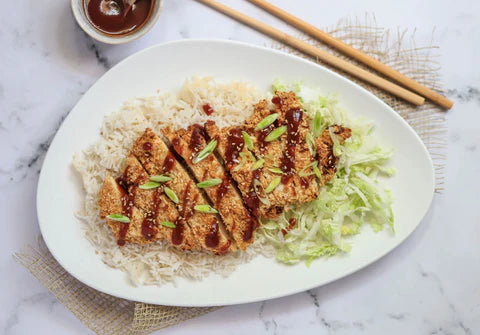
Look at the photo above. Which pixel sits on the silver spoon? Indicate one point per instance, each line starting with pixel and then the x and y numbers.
pixel 128 4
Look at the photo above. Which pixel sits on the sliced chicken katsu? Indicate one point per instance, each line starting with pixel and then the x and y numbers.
pixel 188 143
pixel 297 159
pixel 113 199
pixel 122 196
pixel 326 158
pixel 271 153
pixel 287 150
pixel 239 161
pixel 156 158
pixel 160 212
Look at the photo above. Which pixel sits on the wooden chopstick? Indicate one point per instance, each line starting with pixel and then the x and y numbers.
pixel 357 54
pixel 320 54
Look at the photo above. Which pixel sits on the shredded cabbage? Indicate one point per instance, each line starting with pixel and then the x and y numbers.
pixel 353 197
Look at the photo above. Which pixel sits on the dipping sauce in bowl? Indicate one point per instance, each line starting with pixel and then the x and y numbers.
pixel 111 17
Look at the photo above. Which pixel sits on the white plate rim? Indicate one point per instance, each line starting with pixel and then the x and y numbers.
pixel 237 301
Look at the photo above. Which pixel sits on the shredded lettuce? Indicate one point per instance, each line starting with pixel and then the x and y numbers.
pixel 354 197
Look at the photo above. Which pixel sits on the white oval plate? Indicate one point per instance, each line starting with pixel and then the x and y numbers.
pixel 165 67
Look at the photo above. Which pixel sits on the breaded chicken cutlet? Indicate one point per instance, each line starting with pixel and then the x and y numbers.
pixel 277 134
pixel 211 188
pixel 157 159
pixel 215 181
pixel 326 158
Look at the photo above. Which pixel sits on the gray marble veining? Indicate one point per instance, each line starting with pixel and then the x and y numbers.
pixel 465 95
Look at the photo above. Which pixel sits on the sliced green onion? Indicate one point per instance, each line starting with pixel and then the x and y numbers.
pixel 248 140
pixel 244 157
pixel 303 172
pixel 170 194
pixel 119 218
pixel 276 133
pixel 205 209
pixel 337 147
pixel 317 123
pixel 248 156
pixel 258 164
pixel 149 185
pixel 160 178
pixel 273 184
pixel 206 151
pixel 267 121
pixel 209 183
pixel 310 143
pixel 276 170
pixel 270 157
pixel 317 172
pixel 168 224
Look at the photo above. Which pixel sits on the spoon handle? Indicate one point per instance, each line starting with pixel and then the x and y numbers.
pixel 128 4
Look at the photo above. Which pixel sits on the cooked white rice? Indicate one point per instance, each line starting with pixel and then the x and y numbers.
pixel 159 262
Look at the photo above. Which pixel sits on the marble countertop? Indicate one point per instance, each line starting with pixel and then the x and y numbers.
pixel 429 285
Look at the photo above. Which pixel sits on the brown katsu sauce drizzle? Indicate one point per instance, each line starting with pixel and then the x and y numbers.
pixel 186 212
pixel 197 139
pixel 212 238
pixel 224 247
pixel 277 101
pixel 177 232
pixel 222 189
pixel 123 180
pixel 251 198
pixel 205 174
pixel 122 234
pixel 293 117
pixel 291 223
pixel 169 162
pixel 248 232
pixel 128 195
pixel 208 109
pixel 304 182
pixel 176 145
pixel 287 164
pixel 147 146
pixel 148 228
pixel 331 162
pixel 235 144
pixel 256 175
pixel 262 134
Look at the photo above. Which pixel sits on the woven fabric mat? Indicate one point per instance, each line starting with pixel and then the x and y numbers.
pixel 105 314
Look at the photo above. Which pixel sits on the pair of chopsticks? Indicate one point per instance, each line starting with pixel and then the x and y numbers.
pixel 406 93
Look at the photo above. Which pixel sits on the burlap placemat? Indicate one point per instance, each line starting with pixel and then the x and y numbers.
pixel 105 314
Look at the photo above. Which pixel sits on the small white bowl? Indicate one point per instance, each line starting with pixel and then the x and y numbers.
pixel 84 23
